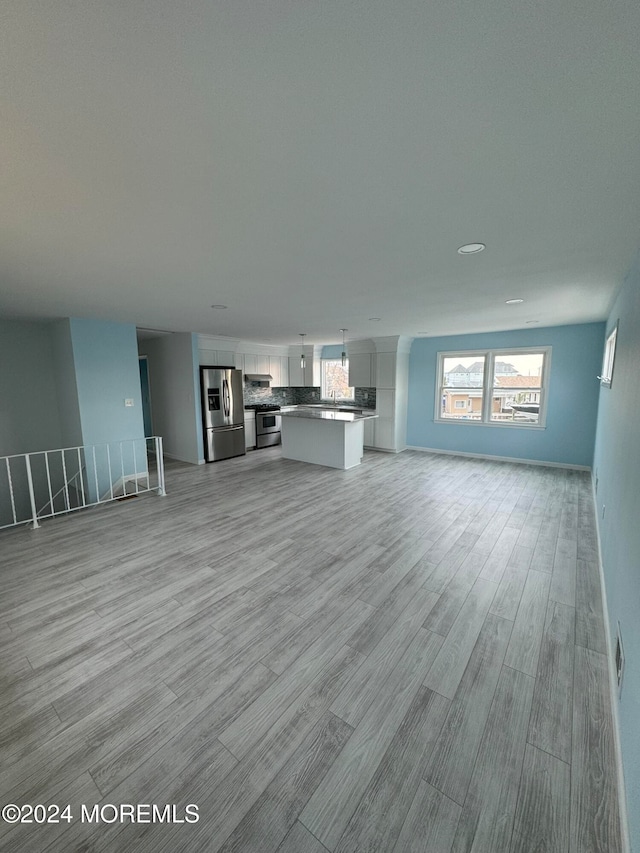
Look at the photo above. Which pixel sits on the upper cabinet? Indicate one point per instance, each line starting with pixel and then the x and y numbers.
pixel 256 363
pixel 386 370
pixel 263 359
pixel 217 358
pixel 296 375
pixel 279 370
pixel 284 368
pixel 307 378
pixel 208 357
pixel 362 370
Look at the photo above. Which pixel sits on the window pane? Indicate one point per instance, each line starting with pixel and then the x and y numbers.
pixel 517 387
pixel 462 404
pixel 609 356
pixel 335 380
pixel 461 387
pixel 465 372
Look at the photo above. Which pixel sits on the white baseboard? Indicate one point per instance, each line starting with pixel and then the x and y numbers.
pixel 501 458
pixel 182 459
pixel 613 689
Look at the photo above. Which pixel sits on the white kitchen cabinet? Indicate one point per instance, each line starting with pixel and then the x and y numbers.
pixel 296 376
pixel 369 432
pixel 239 361
pixel 208 357
pixel 360 370
pixel 284 371
pixel 313 373
pixel 386 370
pixel 384 426
pixel 384 433
pixel 217 358
pixel 308 378
pixel 385 403
pixel 250 363
pixel 249 430
pixel 262 363
pixel 279 370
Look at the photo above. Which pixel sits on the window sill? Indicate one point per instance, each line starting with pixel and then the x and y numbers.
pixel 500 425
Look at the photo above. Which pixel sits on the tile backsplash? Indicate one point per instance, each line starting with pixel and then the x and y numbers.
pixel 255 392
pixel 365 397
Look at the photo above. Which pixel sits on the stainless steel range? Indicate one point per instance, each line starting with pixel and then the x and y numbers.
pixel 267 424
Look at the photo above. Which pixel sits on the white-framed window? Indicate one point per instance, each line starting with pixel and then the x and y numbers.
pixel 335 380
pixel 499 387
pixel 609 358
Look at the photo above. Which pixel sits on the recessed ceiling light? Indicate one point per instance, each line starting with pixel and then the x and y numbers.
pixel 218 306
pixel 471 248
pixel 375 319
pixel 513 301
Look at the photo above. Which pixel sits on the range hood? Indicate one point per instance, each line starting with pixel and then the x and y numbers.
pixel 265 378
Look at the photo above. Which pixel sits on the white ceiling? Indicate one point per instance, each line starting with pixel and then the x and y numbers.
pixel 315 163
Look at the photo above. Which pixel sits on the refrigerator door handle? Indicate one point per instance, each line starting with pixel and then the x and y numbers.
pixel 226 428
pixel 225 397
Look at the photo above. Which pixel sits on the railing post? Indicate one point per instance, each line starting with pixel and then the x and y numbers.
pixel 32 497
pixel 160 466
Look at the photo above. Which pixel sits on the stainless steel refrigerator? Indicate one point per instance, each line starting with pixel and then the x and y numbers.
pixel 222 413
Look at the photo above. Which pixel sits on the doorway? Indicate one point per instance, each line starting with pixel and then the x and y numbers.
pixel 146 395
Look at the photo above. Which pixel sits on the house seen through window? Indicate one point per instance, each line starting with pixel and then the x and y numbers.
pixel 335 380
pixel 506 387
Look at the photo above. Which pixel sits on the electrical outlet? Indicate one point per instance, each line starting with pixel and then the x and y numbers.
pixel 128 402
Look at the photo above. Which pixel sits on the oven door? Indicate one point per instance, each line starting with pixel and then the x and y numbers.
pixel 267 422
pixel 267 429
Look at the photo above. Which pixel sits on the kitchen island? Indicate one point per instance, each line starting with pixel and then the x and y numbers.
pixel 324 437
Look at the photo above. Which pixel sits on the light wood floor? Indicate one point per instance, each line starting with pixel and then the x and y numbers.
pixel 407 656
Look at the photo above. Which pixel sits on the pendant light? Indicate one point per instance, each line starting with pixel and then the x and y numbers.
pixel 303 335
pixel 344 348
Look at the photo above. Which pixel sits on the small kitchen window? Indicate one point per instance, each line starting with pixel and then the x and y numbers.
pixel 335 380
pixel 609 358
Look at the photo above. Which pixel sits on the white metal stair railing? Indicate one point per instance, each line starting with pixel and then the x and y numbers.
pixel 65 492
pixel 95 473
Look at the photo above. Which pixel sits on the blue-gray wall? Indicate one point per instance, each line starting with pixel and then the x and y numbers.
pixel 617 463
pixel 63 384
pixel 105 357
pixel 572 402
pixel 29 416
pixel 107 373
pixel 332 351
pixel 66 386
